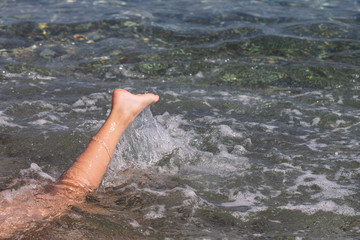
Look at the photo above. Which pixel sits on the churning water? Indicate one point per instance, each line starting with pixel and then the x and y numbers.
pixel 256 134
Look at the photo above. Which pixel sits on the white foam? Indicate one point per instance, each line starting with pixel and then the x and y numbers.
pixel 246 99
pixel 34 168
pixel 172 93
pixel 7 195
pixel 7 121
pixel 243 199
pixel 158 193
pixel 329 189
pixel 315 121
pixel 191 198
pixel 338 123
pixel 12 75
pixel 135 224
pixel 48 124
pixel 315 146
pixel 189 192
pixel 88 103
pixel 227 131
pixel 239 150
pixel 11 194
pixel 198 92
pixel 305 124
pixel 199 75
pixel 269 128
pixel 40 122
pixel 39 103
pixel 213 120
pixel 157 211
pixel 349 174
pixel 292 112
pixel 326 206
pixel 28 74
pixel 36 76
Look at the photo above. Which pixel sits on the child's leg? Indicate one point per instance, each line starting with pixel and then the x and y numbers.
pixel 90 166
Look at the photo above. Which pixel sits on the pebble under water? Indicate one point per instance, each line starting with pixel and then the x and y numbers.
pixel 255 136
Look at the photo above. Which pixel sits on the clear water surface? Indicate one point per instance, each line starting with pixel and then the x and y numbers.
pixel 256 135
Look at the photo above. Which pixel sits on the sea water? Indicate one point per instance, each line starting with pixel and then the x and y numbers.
pixel 255 136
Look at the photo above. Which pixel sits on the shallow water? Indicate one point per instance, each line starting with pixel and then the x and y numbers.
pixel 256 135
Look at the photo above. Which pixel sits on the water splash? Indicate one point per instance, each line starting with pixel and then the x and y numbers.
pixel 144 143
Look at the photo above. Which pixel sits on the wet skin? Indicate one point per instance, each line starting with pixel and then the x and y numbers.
pixel 29 204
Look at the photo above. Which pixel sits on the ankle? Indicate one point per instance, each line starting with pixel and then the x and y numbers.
pixel 121 117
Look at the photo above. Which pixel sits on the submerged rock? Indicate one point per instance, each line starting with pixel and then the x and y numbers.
pixel 47 53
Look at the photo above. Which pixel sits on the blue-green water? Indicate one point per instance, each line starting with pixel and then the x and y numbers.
pixel 256 135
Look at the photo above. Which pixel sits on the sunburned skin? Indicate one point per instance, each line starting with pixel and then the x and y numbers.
pixel 32 206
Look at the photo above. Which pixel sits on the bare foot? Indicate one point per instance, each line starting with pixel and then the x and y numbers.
pixel 129 105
